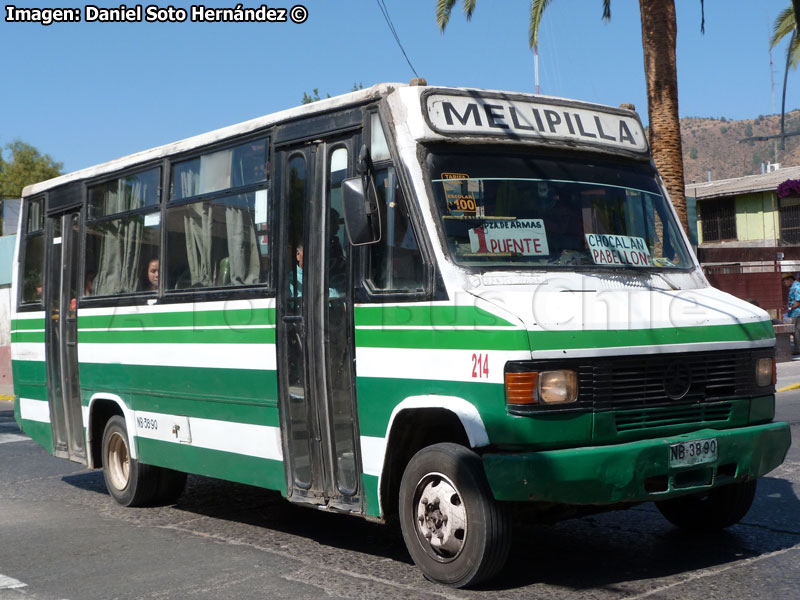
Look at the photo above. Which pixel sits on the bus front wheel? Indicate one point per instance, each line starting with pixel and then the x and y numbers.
pixel 717 509
pixel 455 531
pixel 129 482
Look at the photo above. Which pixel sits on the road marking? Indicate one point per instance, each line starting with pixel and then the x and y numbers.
pixel 794 386
pixel 9 583
pixel 7 438
pixel 704 573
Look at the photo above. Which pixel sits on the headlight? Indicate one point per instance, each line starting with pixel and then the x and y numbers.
pixel 558 387
pixel 546 387
pixel 765 372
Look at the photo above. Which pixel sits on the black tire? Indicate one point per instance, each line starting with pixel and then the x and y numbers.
pixel 128 481
pixel 455 531
pixel 717 509
pixel 170 485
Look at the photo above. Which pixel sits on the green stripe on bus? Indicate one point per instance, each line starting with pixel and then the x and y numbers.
pixel 378 396
pixel 250 470
pixel 237 395
pixel 28 372
pixel 41 433
pixel 369 483
pixel 201 318
pixel 179 336
pixel 426 316
pixel 31 337
pixel 22 324
pixel 515 339
pixel 615 338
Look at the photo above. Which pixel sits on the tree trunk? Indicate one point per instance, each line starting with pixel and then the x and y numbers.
pixel 659 31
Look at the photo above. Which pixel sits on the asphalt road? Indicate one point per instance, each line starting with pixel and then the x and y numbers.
pixel 62 537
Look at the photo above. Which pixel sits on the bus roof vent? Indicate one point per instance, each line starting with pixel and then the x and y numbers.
pixel 418 81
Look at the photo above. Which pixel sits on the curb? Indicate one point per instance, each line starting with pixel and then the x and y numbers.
pixel 794 386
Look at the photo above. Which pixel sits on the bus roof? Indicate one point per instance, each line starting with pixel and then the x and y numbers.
pixel 188 144
pixel 441 113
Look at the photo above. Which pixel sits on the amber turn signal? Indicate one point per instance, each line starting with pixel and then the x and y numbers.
pixel 521 387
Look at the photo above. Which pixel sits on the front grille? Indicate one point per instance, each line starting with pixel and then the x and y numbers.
pixel 627 381
pixel 676 381
pixel 663 416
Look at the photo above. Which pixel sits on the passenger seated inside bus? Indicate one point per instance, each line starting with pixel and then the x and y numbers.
pixel 150 279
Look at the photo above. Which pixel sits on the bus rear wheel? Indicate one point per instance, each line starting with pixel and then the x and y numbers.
pixel 717 509
pixel 129 482
pixel 455 531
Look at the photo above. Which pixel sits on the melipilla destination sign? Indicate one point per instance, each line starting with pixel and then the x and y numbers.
pixel 473 115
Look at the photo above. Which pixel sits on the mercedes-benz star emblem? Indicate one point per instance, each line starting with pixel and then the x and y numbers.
pixel 677 379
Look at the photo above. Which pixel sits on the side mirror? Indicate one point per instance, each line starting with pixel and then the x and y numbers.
pixel 361 218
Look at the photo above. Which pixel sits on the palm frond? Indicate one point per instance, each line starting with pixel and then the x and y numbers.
pixel 783 26
pixel 443 10
pixel 786 24
pixel 606 10
pixel 702 17
pixel 537 9
pixel 469 6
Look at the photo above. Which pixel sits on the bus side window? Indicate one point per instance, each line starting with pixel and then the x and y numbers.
pixel 217 243
pixel 395 262
pixel 32 268
pixel 216 237
pixel 123 235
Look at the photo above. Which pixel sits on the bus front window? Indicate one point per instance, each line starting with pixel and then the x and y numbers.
pixel 534 211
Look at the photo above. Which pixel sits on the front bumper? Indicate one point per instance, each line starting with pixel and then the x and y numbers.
pixel 635 471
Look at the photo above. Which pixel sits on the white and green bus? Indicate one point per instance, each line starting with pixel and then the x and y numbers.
pixel 409 302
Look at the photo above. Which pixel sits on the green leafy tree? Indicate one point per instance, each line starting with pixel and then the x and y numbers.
pixel 309 98
pixel 659 33
pixel 26 166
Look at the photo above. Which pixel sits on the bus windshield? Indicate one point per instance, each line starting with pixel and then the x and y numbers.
pixel 524 210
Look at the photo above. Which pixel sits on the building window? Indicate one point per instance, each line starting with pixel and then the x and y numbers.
pixel 719 219
pixel 789 211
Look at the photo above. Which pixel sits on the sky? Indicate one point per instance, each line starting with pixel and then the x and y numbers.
pixel 85 92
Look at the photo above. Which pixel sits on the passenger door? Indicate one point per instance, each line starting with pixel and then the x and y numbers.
pixel 61 331
pixel 315 325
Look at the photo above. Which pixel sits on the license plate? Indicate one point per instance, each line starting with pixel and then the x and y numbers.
pixel 696 452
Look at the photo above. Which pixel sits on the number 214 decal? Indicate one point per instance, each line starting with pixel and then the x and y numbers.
pixel 480 366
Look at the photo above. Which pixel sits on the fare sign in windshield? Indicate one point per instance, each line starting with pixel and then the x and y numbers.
pixel 618 250
pixel 530 119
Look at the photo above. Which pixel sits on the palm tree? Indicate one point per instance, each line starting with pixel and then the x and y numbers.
pixel 786 24
pixel 659 31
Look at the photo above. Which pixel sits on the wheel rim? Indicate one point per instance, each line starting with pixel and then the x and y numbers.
pixel 440 517
pixel 119 463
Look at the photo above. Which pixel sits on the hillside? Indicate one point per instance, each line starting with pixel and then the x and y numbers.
pixel 713 145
